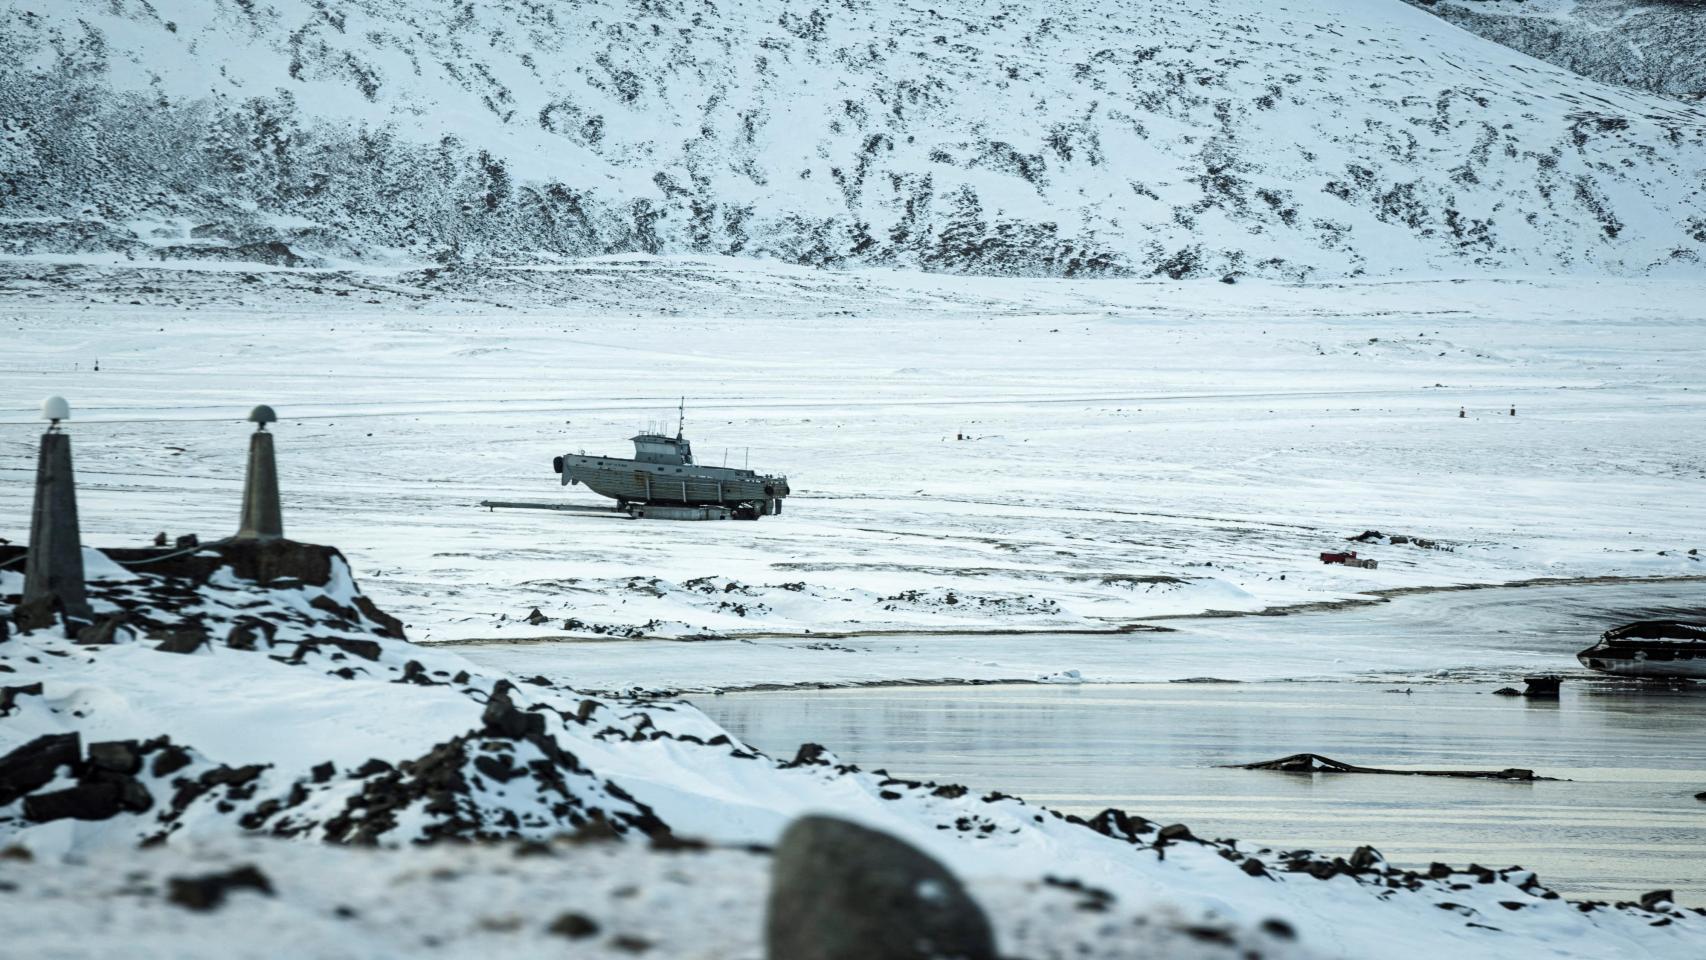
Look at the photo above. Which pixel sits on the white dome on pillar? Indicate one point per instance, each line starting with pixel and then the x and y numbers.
pixel 55 409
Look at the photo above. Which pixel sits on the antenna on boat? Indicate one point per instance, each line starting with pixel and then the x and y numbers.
pixel 680 417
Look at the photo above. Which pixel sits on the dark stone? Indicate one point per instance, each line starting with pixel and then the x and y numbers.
pixel 1542 687
pixel 669 842
pixel 187 540
pixel 5 631
pixel 1701 796
pixel 575 926
pixel 1174 831
pixel 178 641
pixel 208 891
pixel 388 625
pixel 321 772
pixel 326 604
pixel 1507 692
pixel 584 712
pixel 1207 934
pixel 365 649
pixel 1254 867
pixel 1275 927
pixel 536 618
pixel 1110 822
pixel 86 801
pixel 840 891
pixel 809 754
pixel 371 767
pixel 1319 869
pixel 103 631
pixel 534 848
pixel 257 818
pixel 9 695
pixel 248 634
pixel 119 756
pixel 596 830
pixel 231 776
pixel 133 796
pixel 170 760
pixel 37 614
pixel 34 764
pixel 497 768
pixel 279 563
pixel 1652 899
pixel 1439 871
pixel 502 719
pixel 1367 858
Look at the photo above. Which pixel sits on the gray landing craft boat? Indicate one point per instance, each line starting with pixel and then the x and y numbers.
pixel 663 481
pixel 1650 648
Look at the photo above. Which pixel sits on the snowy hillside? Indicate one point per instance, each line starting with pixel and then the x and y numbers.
pixel 1657 45
pixel 1167 137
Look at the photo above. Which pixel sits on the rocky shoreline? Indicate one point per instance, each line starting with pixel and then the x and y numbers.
pixel 115 751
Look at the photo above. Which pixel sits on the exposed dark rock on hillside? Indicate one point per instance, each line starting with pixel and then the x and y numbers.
pixel 1175 139
pixel 1657 45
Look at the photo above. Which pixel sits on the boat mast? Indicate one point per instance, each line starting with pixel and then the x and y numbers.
pixel 680 417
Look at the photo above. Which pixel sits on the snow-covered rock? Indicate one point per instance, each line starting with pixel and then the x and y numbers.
pixel 329 726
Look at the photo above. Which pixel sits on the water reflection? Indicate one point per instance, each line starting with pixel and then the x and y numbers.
pixel 1623 823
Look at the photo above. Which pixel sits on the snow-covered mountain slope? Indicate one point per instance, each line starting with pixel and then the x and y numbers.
pixel 1657 45
pixel 1167 137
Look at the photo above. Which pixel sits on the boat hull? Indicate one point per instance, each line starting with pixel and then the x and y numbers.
pixel 1655 662
pixel 633 481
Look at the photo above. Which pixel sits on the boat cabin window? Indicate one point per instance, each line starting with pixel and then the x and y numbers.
pixel 651 448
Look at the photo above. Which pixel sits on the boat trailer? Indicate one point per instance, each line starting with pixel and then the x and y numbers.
pixel 633 511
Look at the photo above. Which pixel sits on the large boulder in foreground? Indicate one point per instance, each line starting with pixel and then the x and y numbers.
pixel 840 891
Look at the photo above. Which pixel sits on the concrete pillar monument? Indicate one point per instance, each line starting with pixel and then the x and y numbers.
pixel 53 570
pixel 262 518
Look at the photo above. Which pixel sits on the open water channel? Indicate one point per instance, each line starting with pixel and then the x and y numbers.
pixel 1621 818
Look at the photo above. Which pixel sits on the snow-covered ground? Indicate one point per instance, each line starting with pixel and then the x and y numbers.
pixel 1494 634
pixel 1136 450
pixel 565 899
pixel 393 743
